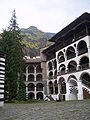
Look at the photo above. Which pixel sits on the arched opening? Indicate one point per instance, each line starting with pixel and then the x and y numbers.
pixel 31 69
pixel 39 87
pixel 55 64
pixel 31 96
pixel 50 85
pixel 72 88
pixel 50 75
pixel 62 85
pixel 62 69
pixel 56 87
pixel 70 53
pixel 55 74
pixel 39 77
pixel 72 66
pixel 31 87
pixel 85 77
pixel 31 77
pixel 60 57
pixel 84 62
pixel 50 65
pixel 38 69
pixel 82 47
pixel 39 95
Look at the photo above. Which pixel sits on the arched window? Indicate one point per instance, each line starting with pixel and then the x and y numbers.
pixel 50 85
pixel 31 96
pixel 31 87
pixel 39 95
pixel 82 47
pixel 50 65
pixel 62 85
pixel 39 77
pixel 84 62
pixel 39 87
pixel 70 53
pixel 50 75
pixel 72 66
pixel 31 69
pixel 60 57
pixel 62 69
pixel 31 77
pixel 38 69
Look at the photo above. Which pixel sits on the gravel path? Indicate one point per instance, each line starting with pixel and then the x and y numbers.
pixel 74 110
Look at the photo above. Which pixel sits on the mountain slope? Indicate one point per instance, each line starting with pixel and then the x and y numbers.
pixel 34 39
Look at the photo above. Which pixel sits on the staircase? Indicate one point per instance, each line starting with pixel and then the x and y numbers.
pixel 86 92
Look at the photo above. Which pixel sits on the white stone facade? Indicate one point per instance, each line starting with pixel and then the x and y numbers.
pixel 68 62
pixel 71 71
pixel 33 80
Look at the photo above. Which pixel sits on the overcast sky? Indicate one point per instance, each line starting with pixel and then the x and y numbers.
pixel 46 15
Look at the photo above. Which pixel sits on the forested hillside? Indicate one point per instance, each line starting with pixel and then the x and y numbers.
pixel 34 39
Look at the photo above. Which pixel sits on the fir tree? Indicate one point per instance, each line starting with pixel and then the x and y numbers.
pixel 11 45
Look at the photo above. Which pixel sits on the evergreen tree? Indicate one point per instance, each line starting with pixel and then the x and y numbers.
pixel 10 43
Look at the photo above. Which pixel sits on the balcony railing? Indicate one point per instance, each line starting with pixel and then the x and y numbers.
pixel 71 70
pixel 82 51
pixel 39 89
pixel 31 79
pixel 30 89
pixel 84 66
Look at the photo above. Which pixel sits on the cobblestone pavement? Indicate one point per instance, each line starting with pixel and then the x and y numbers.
pixel 74 110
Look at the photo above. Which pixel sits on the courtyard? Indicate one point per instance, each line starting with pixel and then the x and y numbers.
pixel 72 110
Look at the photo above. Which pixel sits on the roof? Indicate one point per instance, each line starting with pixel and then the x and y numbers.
pixel 83 18
pixel 50 48
pixel 33 60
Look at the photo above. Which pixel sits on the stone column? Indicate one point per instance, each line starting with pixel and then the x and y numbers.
pixel 67 91
pixel 77 59
pixel 53 89
pixel 59 88
pixel 34 73
pixel 35 93
pixel 26 92
pixel 66 63
pixel 80 90
pixel 26 73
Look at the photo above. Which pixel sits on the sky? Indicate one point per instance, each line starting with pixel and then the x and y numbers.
pixel 46 15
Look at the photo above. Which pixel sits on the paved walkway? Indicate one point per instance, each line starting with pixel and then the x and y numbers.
pixel 74 110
